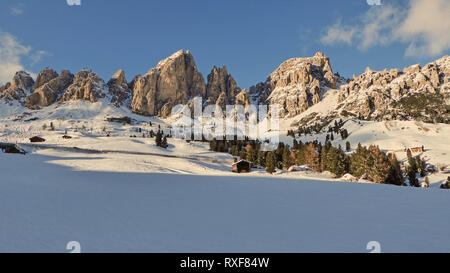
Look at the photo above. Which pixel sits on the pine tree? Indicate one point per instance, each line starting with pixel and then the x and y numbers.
pixel 164 142
pixel 242 154
pixel 359 161
pixel 312 157
pixel 396 176
pixel 421 166
pixel 323 158
pixel 411 173
pixel 300 156
pixel 411 160
pixel 286 157
pixel 251 156
pixel 261 160
pixel 158 139
pixel 270 162
pixel 213 145
pixel 348 146
pixel 378 166
pixel 234 150
pixel 336 161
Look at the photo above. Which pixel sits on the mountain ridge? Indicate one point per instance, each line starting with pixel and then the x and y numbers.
pixel 296 85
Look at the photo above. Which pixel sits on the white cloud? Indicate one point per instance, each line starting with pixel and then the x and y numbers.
pixel 17 9
pixel 424 27
pixel 12 54
pixel 378 26
pixel 339 33
pixel 37 56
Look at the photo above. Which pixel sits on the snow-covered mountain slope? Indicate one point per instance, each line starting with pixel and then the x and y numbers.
pixel 87 123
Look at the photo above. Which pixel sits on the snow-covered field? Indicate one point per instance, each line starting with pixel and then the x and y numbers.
pixel 136 197
pixel 164 211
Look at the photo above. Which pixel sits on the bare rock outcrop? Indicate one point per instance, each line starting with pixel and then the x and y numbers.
pixel 21 85
pixel 86 85
pixel 299 83
pixel 415 92
pixel 243 98
pixel 119 89
pixel 221 88
pixel 49 92
pixel 175 80
pixel 44 77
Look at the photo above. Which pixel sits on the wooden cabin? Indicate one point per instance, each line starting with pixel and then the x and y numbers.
pixel 11 149
pixel 242 166
pixel 417 149
pixel 37 139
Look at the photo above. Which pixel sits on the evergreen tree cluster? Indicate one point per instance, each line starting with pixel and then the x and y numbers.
pixel 376 165
pixel 415 166
pixel 161 139
pixel 317 128
pixel 370 163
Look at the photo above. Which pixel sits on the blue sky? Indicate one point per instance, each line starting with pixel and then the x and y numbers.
pixel 251 37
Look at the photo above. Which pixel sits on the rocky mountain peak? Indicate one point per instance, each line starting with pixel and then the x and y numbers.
pixel 22 80
pixel 44 77
pixel 175 80
pixel 415 92
pixel 119 77
pixel 119 89
pixel 18 89
pixel 86 85
pixel 50 88
pixel 299 83
pixel 222 84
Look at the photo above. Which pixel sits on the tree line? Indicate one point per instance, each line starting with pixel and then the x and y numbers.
pixel 370 163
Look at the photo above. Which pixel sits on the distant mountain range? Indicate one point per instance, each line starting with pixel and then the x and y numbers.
pixel 305 88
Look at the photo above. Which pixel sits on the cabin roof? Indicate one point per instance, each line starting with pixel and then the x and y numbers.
pixel 241 161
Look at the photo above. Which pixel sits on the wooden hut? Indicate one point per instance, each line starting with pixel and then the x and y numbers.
pixel 242 166
pixel 37 139
pixel 417 149
pixel 11 149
